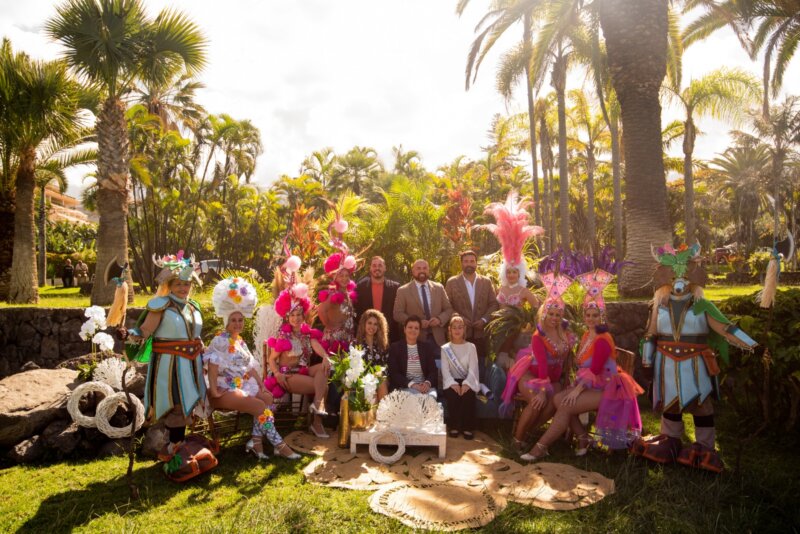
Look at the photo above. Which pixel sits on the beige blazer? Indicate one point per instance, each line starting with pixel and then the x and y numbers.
pixel 485 302
pixel 409 303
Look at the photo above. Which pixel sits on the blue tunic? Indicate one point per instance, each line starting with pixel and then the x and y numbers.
pixel 174 380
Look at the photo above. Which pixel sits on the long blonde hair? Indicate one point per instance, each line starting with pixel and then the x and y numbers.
pixel 381 338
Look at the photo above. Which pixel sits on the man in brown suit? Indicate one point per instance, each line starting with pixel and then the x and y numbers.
pixel 473 297
pixel 426 299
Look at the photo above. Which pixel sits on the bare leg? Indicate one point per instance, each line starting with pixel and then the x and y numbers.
pixel 588 401
pixel 319 373
pixel 307 385
pixel 529 413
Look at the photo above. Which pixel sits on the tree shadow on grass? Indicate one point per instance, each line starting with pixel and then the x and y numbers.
pixel 73 508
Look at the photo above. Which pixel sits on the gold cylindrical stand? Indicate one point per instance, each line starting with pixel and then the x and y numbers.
pixel 344 422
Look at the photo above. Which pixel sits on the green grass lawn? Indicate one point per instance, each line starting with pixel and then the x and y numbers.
pixel 242 496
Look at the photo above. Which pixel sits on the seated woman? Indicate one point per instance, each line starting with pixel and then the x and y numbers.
pixel 412 363
pixel 291 351
pixel 233 373
pixel 600 385
pixel 460 377
pixel 336 307
pixel 537 376
pixel 373 337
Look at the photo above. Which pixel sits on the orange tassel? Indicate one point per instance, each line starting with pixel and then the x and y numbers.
pixel 116 314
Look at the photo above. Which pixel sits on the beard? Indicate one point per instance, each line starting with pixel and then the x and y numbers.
pixel 469 270
pixel 421 278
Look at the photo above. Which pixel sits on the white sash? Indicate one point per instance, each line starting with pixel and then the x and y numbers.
pixel 451 355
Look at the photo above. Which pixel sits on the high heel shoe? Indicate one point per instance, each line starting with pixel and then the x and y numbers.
pixel 323 434
pixel 250 448
pixel 531 456
pixel 281 451
pixel 585 442
pixel 316 411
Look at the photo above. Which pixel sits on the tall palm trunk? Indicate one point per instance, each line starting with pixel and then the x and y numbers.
pixel 113 173
pixel 547 168
pixel 560 85
pixel 590 215
pixel 616 173
pixel 636 40
pixel 7 210
pixel 23 288
pixel 526 38
pixel 688 178
pixel 42 236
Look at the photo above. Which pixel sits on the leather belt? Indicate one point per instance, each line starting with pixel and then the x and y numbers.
pixel 189 349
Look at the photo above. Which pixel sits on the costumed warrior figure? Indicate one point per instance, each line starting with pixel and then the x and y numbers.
pixel 684 335
pixel 512 230
pixel 292 347
pixel 175 382
pixel 234 375
pixel 336 309
pixel 537 375
pixel 600 385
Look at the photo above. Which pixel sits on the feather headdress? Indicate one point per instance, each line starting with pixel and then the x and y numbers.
pixel 512 230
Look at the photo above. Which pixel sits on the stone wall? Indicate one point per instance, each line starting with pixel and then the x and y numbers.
pixel 47 336
pixel 44 336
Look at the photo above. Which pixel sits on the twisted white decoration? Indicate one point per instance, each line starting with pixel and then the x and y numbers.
pixel 107 408
pixel 377 456
pixel 74 401
pixel 110 370
pixel 267 324
pixel 402 409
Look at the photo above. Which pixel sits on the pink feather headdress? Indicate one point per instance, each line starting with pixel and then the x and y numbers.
pixel 594 283
pixel 512 230
pixel 342 259
pixel 295 294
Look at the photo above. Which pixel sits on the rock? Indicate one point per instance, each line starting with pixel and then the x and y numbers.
pixel 42 325
pixel 69 330
pixel 29 401
pixel 63 436
pixel 115 447
pixel 29 366
pixel 156 437
pixel 27 451
pixel 48 352
pixel 91 441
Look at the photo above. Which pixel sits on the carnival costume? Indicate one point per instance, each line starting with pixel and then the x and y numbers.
pixel 512 230
pixel 293 296
pixel 545 360
pixel 618 420
pixel 237 367
pixel 340 337
pixel 682 345
pixel 175 382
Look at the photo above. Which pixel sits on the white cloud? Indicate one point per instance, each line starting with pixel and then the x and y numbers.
pixel 318 73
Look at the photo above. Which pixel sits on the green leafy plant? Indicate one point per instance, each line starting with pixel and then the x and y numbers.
pixel 757 262
pixel 86 370
pixel 763 386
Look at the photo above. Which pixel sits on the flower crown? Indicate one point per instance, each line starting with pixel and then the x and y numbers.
pixel 677 259
pixel 234 295
pixel 175 266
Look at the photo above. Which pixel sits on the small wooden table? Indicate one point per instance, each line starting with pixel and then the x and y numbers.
pixel 412 438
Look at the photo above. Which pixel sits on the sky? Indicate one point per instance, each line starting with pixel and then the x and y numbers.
pixel 378 73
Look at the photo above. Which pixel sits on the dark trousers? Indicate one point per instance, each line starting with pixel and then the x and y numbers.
pixel 460 410
pixel 480 348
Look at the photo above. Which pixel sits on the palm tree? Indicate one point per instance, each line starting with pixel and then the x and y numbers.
pixel 745 172
pixel 44 105
pixel 113 43
pixel 55 158
pixel 357 170
pixel 636 40
pixel 777 33
pixel 506 13
pixel 173 101
pixel 720 94
pixel 319 165
pixel 591 136
pixel 407 162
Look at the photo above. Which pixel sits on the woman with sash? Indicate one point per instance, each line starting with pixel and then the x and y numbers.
pixel 460 379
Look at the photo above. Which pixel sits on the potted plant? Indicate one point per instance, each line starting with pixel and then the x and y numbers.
pixel 358 382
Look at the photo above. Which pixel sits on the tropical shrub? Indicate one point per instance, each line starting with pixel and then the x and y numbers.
pixel 763 386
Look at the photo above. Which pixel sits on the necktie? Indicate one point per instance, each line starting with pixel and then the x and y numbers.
pixel 425 305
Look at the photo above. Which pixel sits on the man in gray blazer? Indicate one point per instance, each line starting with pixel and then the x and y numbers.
pixel 473 297
pixel 426 299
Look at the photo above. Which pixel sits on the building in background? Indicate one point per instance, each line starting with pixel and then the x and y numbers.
pixel 66 208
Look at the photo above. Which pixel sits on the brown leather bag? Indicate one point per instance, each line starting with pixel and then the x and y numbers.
pixel 193 458
pixel 710 357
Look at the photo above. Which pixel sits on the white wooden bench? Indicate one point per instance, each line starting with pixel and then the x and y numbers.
pixel 411 437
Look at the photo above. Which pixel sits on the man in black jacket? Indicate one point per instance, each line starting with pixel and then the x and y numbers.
pixel 412 362
pixel 378 292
